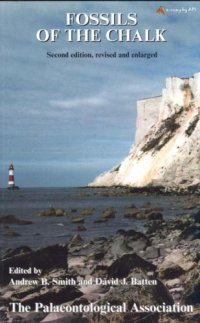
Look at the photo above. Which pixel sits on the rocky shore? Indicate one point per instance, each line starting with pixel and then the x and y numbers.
pixel 161 190
pixel 160 266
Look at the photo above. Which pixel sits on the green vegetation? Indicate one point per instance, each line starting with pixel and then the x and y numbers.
pixel 192 126
pixel 164 133
pixel 185 87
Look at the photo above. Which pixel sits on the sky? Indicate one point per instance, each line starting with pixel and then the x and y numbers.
pixel 62 120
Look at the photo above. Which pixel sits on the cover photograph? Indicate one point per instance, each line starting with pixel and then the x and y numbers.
pixel 100 162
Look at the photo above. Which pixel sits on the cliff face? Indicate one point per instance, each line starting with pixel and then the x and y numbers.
pixel 147 115
pixel 167 145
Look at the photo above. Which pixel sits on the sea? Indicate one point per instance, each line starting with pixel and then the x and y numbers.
pixel 27 203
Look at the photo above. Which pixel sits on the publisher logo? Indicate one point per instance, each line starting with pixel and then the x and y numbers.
pixel 183 10
pixel 161 10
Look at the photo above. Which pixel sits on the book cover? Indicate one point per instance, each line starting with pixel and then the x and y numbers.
pixel 100 156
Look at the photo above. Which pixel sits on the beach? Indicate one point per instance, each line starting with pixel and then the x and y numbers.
pixel 126 252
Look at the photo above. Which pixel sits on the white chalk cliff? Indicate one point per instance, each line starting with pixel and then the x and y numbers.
pixel 167 145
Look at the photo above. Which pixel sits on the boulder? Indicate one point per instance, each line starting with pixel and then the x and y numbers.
pixel 121 267
pixel 76 239
pixel 81 228
pixel 12 252
pixel 136 295
pixel 78 220
pixel 151 252
pixel 134 214
pixel 30 318
pixel 179 257
pixel 59 212
pixel 108 213
pixel 152 209
pixel 100 220
pixel 148 214
pixel 11 233
pixel 181 224
pixel 192 290
pixel 132 206
pixel 155 225
pixel 55 294
pixel 125 242
pixel 88 211
pixel 12 219
pixel 171 283
pixel 65 318
pixel 190 233
pixel 48 212
pixel 45 259
pixel 197 216
pixel 169 270
pixel 52 212
pixel 154 215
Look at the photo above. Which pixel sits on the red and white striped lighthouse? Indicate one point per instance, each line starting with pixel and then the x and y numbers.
pixel 11 179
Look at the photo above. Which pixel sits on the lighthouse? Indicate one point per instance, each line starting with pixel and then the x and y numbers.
pixel 11 178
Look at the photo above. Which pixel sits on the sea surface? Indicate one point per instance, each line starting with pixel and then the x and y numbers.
pixel 26 204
